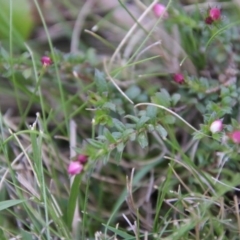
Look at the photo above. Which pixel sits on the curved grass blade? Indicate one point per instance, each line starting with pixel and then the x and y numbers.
pixel 220 31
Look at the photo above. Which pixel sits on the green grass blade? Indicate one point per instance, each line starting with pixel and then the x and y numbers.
pixel 73 199
pixel 10 203
pixel 220 31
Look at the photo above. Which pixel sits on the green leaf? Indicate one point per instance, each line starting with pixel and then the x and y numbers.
pixel 226 110
pixel 151 112
pixel 133 92
pixel 27 73
pixel 127 132
pixel 119 125
pixel 175 98
pixel 227 100
pixel 101 138
pixel 165 93
pixel 95 143
pixel 133 118
pixel 106 157
pixel 234 123
pixel 109 105
pixel 109 136
pixel 101 83
pixel 102 118
pixel 150 128
pixel 162 131
pixel 118 156
pixel 162 98
pixel 225 91
pixel 10 203
pixel 169 119
pixel 198 135
pixel 117 135
pixel 120 147
pixel 133 136
pixel 142 121
pixel 142 139
pixel 73 199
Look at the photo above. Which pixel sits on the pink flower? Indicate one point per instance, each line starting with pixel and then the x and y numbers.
pixel 216 126
pixel 75 168
pixel 235 136
pixel 160 10
pixel 46 61
pixel 215 13
pixel 178 78
pixel 82 158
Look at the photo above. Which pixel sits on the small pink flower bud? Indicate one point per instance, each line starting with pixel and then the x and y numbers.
pixel 82 158
pixel 215 13
pixel 216 126
pixel 208 20
pixel 178 78
pixel 75 168
pixel 160 10
pixel 235 136
pixel 46 61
